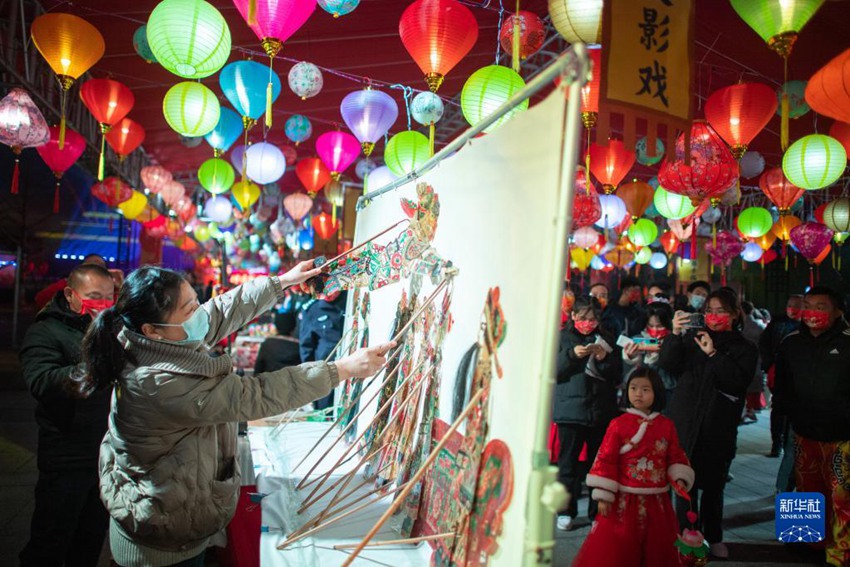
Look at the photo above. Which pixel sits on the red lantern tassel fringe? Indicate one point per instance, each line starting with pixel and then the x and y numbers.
pixel 16 175
pixel 56 198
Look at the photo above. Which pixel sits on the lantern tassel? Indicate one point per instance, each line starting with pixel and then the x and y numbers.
pixel 252 12
pixel 693 247
pixel 16 174
pixel 515 40
pixel 785 111
pixel 431 137
pixel 62 132
pixel 101 162
pixel 333 215
pixel 56 198
pixel 269 105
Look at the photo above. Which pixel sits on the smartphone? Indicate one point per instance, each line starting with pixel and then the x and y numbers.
pixel 645 341
pixel 697 321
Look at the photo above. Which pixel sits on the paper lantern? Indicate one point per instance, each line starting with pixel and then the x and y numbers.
pixel 836 215
pixel 266 163
pixel 125 136
pixel 682 230
pixel 191 109
pixel 364 167
pixel 711 215
pixel 777 21
pixel 840 238
pixel 297 205
pixel 814 161
pixel 134 206
pixel 427 108
pixel 586 207
pixel 21 126
pixel 841 132
pixel 141 45
pixel 369 114
pixel 245 194
pixel 244 83
pixel 613 211
pixel 641 152
pixel 111 191
pixel 578 21
pixel 671 205
pixel 784 225
pixel 290 154
pixel 669 241
pixel 298 128
pixel 201 233
pixel 313 174
pixel 155 177
pixel 765 241
pixel 643 256
pixel 486 90
pixel 637 196
pixel 779 190
pixel 828 91
pixel 581 258
pixel 437 34
pixel 585 237
pixel 620 257
pixel 739 112
pixel 751 165
pixel 335 193
pixel 60 159
pixel 325 226
pixel 598 263
pixel 532 32
pixel 305 80
pixel 226 131
pixel 754 222
pixel 172 192
pixel 216 176
pixel 339 7
pixel 190 38
pixel 406 151
pixel 643 233
pixel 337 150
pixel 218 209
pixel 380 177
pixel 796 93
pixel 752 252
pixel 610 163
pixel 109 102
pixel 711 171
pixel 658 261
pixel 237 157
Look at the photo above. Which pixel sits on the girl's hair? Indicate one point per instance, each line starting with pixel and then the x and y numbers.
pixel 586 302
pixel 729 300
pixel 654 378
pixel 661 310
pixel 148 295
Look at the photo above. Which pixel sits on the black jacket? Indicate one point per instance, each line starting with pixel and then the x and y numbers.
pixel 320 329
pixel 629 320
pixel 69 430
pixel 771 338
pixel 580 397
pixel 710 392
pixel 276 353
pixel 813 382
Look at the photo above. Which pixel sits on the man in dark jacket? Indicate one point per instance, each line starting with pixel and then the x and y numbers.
pixel 69 521
pixel 626 317
pixel 282 350
pixel 813 389
pixel 321 329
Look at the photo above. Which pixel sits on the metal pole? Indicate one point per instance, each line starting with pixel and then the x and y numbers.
pixel 16 307
pixel 24 41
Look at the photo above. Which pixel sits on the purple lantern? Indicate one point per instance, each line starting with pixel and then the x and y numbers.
pixel 810 239
pixel 337 150
pixel 369 114
pixel 236 156
pixel 727 247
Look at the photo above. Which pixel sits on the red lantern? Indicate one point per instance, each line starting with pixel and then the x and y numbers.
pixel 109 101
pixel 313 174
pixel 125 137
pixel 532 32
pixel 111 191
pixel 669 242
pixel 779 190
pixel 325 226
pixel 841 132
pixel 610 164
pixel 828 91
pixel 819 212
pixel 739 112
pixel 437 34
pixel 586 207
pixel 711 171
pixel 637 195
pixel 59 160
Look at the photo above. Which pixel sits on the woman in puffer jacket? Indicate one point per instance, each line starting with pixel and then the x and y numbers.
pixel 168 471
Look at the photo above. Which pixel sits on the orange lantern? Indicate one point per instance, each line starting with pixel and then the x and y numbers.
pixel 841 132
pixel 739 112
pixel 637 195
pixel 71 46
pixel 779 190
pixel 828 91
pixel 590 91
pixel 765 241
pixel 823 255
pixel 782 227
pixel 610 164
pixel 125 137
pixel 313 174
pixel 109 101
pixel 620 257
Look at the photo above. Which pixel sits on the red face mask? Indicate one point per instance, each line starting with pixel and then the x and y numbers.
pixel 92 306
pixel 718 321
pixel 657 333
pixel 586 327
pixel 633 296
pixel 793 313
pixel 815 320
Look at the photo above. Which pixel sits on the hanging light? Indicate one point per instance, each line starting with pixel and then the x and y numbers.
pixel 111 191
pixel 406 151
pixel 109 102
pixel 266 163
pixel 779 190
pixel 244 85
pixel 369 114
pixel 795 91
pixel 339 8
pixel 486 90
pixel 337 150
pixel 610 164
pixel 754 222
pixel 297 206
pixel 216 176
pixel 134 206
pixel 532 33
pixel 59 160
pixel 21 126
pixel 585 237
pixel 739 112
pixel 378 178
pixel 590 91
pixel 642 155
pixel 364 167
pixel 191 109
pixel 298 129
pixel 313 174
pixel 586 207
pixel 637 195
pixel 226 132
pixel 218 209
pixel 841 132
pixel 836 215
pixel 751 165
pixel 437 34
pixel 752 252
pixel 190 38
pixel 814 161
pixel 427 109
pixel 155 177
pixel 784 225
pixel 828 91
pixel 643 232
pixel 245 194
pixel 142 47
pixel 671 205
pixel 125 137
pixel 578 21
pixel 811 240
pixel 613 211
pixel 325 226
pixel 305 80
pixel 658 261
pixel 669 241
pixel 335 192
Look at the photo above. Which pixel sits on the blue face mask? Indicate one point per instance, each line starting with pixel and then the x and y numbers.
pixel 697 301
pixel 196 326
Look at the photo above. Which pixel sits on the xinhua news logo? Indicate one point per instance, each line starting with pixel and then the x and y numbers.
pixel 800 517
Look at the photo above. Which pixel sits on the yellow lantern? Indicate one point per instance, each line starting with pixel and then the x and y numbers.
pixel 134 206
pixel 245 194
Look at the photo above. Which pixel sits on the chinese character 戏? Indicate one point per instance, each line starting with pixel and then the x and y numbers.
pixel 654 82
pixel 651 25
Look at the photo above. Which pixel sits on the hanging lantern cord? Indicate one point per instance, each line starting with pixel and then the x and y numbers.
pixel 272 47
pixel 408 92
pixel 515 44
pixel 498 29
pixel 785 108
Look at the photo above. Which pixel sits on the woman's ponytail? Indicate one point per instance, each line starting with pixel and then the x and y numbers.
pixel 103 355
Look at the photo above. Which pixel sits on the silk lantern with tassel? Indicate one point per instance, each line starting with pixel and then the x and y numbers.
pixel 335 194
pixel 109 102
pixel 59 160
pixel 297 206
pixel 21 126
pixel 112 191
pixel 325 226
pixel 71 46
pixel 155 177
pixel 369 114
pixel 226 132
pixel 189 38
pixel 427 109
pixel 305 80
pixel 125 137
pixel 610 163
pixel 779 190
pixel 828 91
pixel 134 206
pixel 245 194
pixel 739 112
pixel 437 34
pixel 810 239
pixel 248 86
pixel 526 31
pixel 637 195
pixel 337 150
pixel 586 206
pixel 313 174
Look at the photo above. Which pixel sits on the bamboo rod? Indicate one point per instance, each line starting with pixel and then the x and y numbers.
pixel 409 485
pixel 364 243
pixel 409 540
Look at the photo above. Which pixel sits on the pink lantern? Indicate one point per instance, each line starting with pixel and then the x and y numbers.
pixel 586 206
pixel 811 239
pixel 298 205
pixel 727 247
pixel 59 159
pixel 155 178
pixel 21 126
pixel 683 229
pixel 172 192
pixel 585 238
pixel 337 150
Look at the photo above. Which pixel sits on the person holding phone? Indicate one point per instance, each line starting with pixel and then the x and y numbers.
pixel 713 366
pixel 658 327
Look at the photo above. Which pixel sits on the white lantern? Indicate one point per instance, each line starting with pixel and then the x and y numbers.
pixel 585 237
pixel 578 21
pixel 658 260
pixel 266 163
pixel 364 167
pixel 218 209
pixel 752 252
pixel 597 263
pixel 711 215
pixel 752 164
pixel 380 177
pixel 305 80
pixel 427 108
pixel 613 211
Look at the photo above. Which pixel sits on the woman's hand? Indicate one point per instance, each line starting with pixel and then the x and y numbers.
pixel 680 321
pixel 582 351
pixel 703 340
pixel 302 272
pixel 631 350
pixel 597 351
pixel 364 362
pixel 603 507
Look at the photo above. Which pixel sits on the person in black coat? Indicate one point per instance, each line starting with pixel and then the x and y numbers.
pixel 626 316
pixel 282 350
pixel 69 521
pixel 714 366
pixel 321 329
pixel 589 370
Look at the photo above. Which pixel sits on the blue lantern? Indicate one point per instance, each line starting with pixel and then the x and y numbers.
pixel 338 7
pixel 226 132
pixel 298 128
pixel 306 239
pixel 640 152
pixel 141 45
pixel 244 84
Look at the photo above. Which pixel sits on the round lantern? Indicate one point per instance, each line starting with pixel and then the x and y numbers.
pixel 437 34
pixel 814 161
pixel 155 177
pixel 643 233
pixel 237 156
pixel 637 196
pixel 305 80
pixel 754 222
pixel 796 91
pixel 782 228
pixel 427 108
pixel 226 132
pixel 291 155
pixel 613 211
pixel 297 205
pixel 191 109
pixel 298 128
pixel 364 167
pixel 752 252
pixel 486 90
pixel 245 194
pixel 752 164
pixel 337 150
pixel 532 32
pixel 190 141
pixel 369 114
pixel 245 83
pixel 216 176
pixel 585 237
pixel 779 190
pixel 218 209
pixel 828 91
pixel 577 21
pixel 671 205
pixel 134 206
pixel 641 152
pixel 711 215
pixel 339 7
pixel 313 174
pixel 739 112
pixel 378 178
pixel 125 136
pixel 140 44
pixel 658 260
pixel 610 163
pixel 836 215
pixel 266 163
pixel 712 167
pixel 325 226
pixel 841 132
pixel 202 233
pixel 172 192
pixel 643 256
pixel 189 37
pixel 406 151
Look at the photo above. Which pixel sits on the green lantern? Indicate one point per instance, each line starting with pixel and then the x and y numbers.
pixel 191 109
pixel 777 21
pixel 189 37
pixel 644 255
pixel 406 151
pixel 670 205
pixel 643 233
pixel 486 90
pixel 202 233
pixel 754 222
pixel 814 161
pixel 216 175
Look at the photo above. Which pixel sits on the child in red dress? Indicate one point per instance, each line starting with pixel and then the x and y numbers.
pixel 639 457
